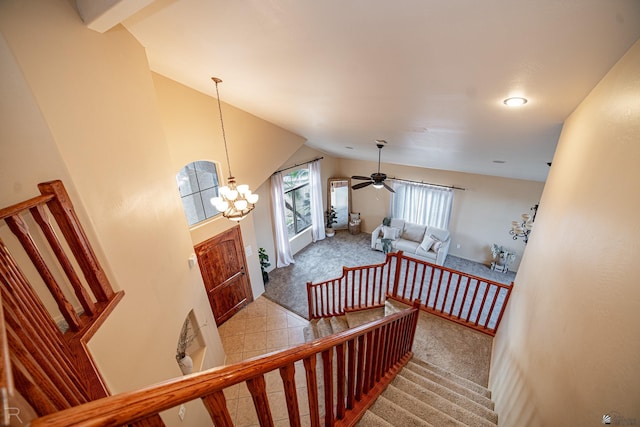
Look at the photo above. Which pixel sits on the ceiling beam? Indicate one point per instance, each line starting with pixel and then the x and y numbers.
pixel 102 15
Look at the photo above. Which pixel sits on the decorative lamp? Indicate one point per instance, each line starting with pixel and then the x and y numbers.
pixel 523 227
pixel 234 201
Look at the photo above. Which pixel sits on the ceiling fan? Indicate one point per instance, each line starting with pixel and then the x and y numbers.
pixel 376 178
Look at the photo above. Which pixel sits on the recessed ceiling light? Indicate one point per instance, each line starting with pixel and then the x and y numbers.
pixel 499 161
pixel 515 101
pixel 349 148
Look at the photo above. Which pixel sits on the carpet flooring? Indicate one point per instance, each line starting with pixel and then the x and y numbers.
pixel 324 260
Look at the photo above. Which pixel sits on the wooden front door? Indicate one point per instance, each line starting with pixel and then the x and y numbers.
pixel 224 271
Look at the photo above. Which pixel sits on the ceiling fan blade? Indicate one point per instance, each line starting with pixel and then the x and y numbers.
pixel 388 188
pixel 361 185
pixel 366 178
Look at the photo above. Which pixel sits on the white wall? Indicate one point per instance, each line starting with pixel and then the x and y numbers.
pixel 568 348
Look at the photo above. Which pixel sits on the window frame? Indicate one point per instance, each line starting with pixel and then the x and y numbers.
pixel 200 207
pixel 293 191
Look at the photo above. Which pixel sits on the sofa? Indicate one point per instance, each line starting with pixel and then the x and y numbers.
pixel 423 242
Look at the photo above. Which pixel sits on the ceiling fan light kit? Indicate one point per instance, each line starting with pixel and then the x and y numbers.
pixel 377 178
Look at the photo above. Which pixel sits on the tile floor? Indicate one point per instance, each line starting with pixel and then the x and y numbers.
pixel 262 327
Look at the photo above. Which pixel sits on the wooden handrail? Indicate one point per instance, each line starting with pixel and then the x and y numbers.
pixel 136 405
pixel 463 298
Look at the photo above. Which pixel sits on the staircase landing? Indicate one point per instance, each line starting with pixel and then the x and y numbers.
pixel 456 348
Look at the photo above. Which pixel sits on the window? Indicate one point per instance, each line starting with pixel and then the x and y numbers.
pixel 198 182
pixel 422 203
pixel 297 200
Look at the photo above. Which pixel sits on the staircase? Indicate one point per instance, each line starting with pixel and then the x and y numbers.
pixel 422 394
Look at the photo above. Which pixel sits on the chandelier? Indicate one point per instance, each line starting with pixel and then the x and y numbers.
pixel 523 227
pixel 234 201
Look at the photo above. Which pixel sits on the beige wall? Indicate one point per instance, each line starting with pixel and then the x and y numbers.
pixel 481 215
pixel 256 148
pixel 568 350
pixel 83 107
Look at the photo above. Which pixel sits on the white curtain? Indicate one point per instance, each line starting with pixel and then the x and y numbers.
pixel 422 204
pixel 317 211
pixel 283 249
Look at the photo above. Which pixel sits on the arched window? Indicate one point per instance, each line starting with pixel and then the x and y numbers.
pixel 198 182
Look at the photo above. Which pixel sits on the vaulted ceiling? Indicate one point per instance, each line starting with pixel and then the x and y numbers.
pixel 428 76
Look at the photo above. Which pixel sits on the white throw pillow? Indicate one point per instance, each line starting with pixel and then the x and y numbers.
pixel 413 232
pixel 437 243
pixel 388 233
pixel 427 242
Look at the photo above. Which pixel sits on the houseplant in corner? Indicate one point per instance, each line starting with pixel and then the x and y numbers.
pixel 331 216
pixel 264 263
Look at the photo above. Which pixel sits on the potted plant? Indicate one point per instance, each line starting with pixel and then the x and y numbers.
pixel 502 257
pixel 187 336
pixel 331 216
pixel 264 263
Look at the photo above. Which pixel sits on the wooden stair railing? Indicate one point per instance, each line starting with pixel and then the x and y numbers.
pixel 52 369
pixel 357 364
pixel 463 298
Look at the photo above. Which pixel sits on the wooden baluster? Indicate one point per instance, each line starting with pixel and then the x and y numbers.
pixel 288 373
pixel 37 397
pixel 340 378
pixel 381 352
pixel 19 227
pixel 398 266
pixel 351 373
pixel 493 305
pixel 368 379
pixel 473 301
pixel 353 290
pixel 310 301
pixel 464 300
pixel 258 389
pixel 455 297
pixel 504 306
pixel 42 364
pixel 40 215
pixel 424 272
pixel 17 285
pixel 216 405
pixel 312 390
pixel 62 210
pixel 413 280
pixel 327 370
pixel 360 368
pixel 340 300
pixel 6 377
pixel 377 354
pixel 484 299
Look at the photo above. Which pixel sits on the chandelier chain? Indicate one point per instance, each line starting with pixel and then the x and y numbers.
pixel 224 135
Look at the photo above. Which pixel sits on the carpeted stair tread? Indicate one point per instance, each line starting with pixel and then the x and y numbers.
pixel 455 378
pixel 392 306
pixel 339 324
pixel 452 385
pixel 453 409
pixel 360 317
pixel 395 414
pixel 369 419
pixel 420 409
pixel 323 327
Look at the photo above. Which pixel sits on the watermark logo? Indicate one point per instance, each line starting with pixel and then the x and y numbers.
pixel 13 412
pixel 617 419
